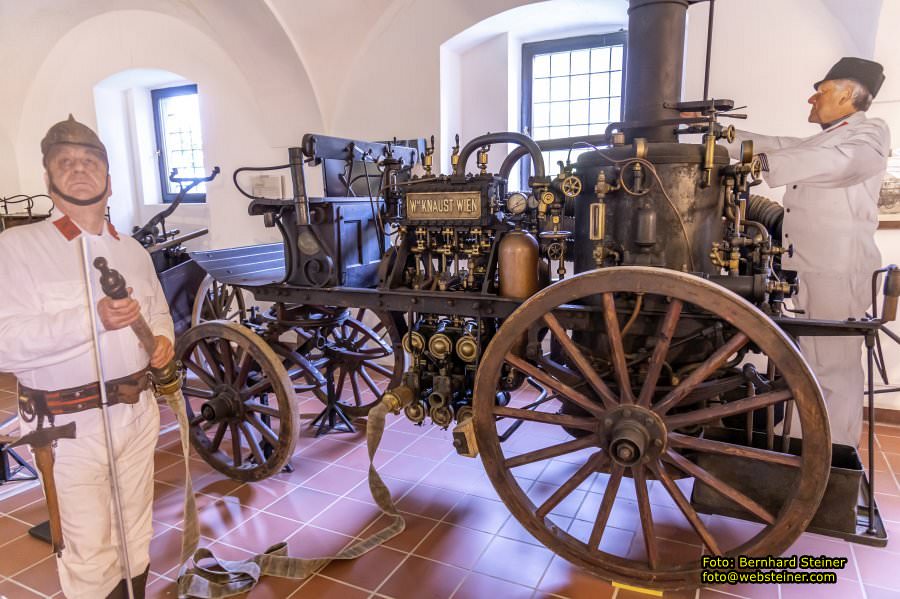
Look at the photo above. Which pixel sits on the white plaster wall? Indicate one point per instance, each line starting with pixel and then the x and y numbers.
pixel 232 119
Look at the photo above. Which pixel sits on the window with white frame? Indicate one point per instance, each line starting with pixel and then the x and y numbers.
pixel 179 141
pixel 571 87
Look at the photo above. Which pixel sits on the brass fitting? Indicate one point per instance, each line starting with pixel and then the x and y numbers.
pixel 398 398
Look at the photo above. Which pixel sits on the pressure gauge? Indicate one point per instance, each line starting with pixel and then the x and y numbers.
pixel 516 203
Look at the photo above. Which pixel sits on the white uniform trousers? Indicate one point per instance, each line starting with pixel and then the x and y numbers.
pixel 836 361
pixel 89 567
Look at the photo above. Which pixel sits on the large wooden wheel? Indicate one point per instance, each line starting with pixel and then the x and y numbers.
pixel 239 401
pixel 218 301
pixel 630 429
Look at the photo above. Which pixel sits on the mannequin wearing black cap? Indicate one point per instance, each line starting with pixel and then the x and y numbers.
pixel 832 180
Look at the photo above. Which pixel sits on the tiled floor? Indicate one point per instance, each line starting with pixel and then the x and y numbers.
pixel 460 540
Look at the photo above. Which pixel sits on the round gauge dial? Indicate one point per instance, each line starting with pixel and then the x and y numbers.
pixel 516 203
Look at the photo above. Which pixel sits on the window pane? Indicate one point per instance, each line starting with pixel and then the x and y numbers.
pixel 600 85
pixel 599 110
pixel 615 109
pixel 597 128
pixel 559 132
pixel 541 133
pixel 615 83
pixel 580 85
pixel 559 64
pixel 540 90
pixel 578 112
pixel 617 58
pixel 578 130
pixel 559 113
pixel 599 59
pixel 181 138
pixel 541 115
pixel 581 62
pixel 541 65
pixel 559 88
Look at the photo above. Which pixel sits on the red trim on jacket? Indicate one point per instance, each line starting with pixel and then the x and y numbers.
pixel 68 229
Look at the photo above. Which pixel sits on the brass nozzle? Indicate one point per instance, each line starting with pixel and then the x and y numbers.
pixel 398 398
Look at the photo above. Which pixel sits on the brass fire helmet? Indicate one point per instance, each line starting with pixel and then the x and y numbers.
pixel 71 131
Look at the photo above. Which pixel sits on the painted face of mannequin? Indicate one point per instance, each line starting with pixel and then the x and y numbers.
pixel 831 101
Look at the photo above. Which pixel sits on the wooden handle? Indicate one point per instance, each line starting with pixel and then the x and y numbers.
pixel 144 334
pixel 43 458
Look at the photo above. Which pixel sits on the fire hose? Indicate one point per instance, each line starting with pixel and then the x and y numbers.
pixel 226 578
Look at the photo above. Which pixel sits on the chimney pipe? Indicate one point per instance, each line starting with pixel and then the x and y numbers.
pixel 654 65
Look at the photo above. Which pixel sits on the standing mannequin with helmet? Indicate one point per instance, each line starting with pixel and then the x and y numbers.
pixel 46 342
pixel 832 182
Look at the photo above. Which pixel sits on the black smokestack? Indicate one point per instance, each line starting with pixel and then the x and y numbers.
pixel 654 64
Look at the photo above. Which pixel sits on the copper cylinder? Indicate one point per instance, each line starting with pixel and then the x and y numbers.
pixel 518 265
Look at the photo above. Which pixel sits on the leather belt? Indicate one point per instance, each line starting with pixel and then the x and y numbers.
pixel 125 390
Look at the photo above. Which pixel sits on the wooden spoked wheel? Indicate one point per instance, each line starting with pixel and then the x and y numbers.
pixel 362 351
pixel 628 432
pixel 218 301
pixel 239 401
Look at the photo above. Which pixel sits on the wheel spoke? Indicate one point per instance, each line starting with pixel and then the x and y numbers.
pixel 729 409
pixel 643 498
pixel 217 438
pixel 354 383
pixel 587 424
pixel 369 382
pixel 243 369
pixel 378 368
pixel 263 385
pixel 606 505
pixel 588 468
pixel 684 505
pixel 255 406
pixel 236 445
pixel 583 364
pixel 204 376
pixel 551 452
pixel 227 360
pixel 720 448
pixel 699 375
pixel 267 433
pixel 195 392
pixel 663 341
pixel 727 491
pixel 210 358
pixel 254 444
pixel 566 393
pixel 616 348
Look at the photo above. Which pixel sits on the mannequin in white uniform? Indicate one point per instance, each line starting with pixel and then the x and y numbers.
pixel 831 212
pixel 46 341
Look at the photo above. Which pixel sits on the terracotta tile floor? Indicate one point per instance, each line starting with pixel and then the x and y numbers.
pixel 460 540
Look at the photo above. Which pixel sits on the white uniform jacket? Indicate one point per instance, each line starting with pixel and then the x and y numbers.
pixel 831 202
pixel 45 334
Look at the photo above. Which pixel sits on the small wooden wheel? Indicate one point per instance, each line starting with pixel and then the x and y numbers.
pixel 218 301
pixel 362 350
pixel 630 416
pixel 239 400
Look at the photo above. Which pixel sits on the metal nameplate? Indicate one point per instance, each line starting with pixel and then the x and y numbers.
pixel 443 205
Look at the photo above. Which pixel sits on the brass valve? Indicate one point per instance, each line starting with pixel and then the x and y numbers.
pixel 602 187
pixel 571 186
pixel 454 157
pixel 482 158
pixel 778 287
pixel 428 157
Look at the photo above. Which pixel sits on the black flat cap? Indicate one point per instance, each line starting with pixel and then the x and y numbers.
pixel 867 72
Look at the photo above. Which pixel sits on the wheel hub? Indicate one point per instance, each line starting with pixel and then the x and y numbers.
pixel 224 405
pixel 633 435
